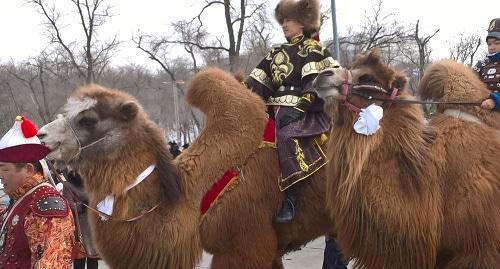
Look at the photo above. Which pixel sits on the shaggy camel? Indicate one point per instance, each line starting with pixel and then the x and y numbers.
pixel 238 231
pixel 108 138
pixel 450 81
pixel 413 195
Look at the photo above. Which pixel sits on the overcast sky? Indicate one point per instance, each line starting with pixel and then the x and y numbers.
pixel 22 36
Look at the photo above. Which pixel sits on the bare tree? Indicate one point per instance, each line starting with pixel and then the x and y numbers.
pixel 157 50
pixel 422 57
pixel 257 40
pixel 465 49
pixel 193 36
pixel 9 107
pixel 32 78
pixel 91 56
pixel 380 29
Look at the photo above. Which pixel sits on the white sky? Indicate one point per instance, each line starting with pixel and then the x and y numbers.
pixel 21 29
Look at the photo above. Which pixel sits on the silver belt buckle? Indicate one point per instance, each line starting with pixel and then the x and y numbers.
pixel 283 88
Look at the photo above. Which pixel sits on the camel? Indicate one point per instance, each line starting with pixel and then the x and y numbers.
pixel 449 81
pixel 116 142
pixel 413 195
pixel 239 231
pixel 107 137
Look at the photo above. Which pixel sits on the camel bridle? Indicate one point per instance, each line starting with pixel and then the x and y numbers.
pixel 348 88
pixel 77 200
pixel 366 91
pixel 80 148
pixel 75 197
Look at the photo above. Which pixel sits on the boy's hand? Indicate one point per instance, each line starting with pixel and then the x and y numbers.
pixel 488 104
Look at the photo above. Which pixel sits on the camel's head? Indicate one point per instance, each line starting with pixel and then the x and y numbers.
pixel 368 79
pixel 96 122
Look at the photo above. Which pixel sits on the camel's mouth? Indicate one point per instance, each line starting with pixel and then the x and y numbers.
pixel 54 147
pixel 53 136
pixel 327 84
pixel 331 92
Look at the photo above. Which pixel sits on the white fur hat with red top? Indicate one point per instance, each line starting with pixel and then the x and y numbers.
pixel 21 145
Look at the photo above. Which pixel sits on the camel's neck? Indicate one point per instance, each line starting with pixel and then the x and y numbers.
pixel 379 187
pixel 111 176
pixel 402 137
pixel 164 238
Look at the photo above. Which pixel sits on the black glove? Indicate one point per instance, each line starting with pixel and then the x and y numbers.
pixel 298 111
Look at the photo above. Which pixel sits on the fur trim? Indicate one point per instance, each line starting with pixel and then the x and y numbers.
pixel 307 12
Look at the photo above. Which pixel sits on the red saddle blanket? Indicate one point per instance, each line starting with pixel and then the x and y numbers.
pixel 230 176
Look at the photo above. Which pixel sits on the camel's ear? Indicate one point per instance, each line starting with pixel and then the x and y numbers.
pixel 128 110
pixel 399 82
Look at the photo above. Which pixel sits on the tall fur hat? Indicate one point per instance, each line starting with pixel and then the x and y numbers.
pixel 307 12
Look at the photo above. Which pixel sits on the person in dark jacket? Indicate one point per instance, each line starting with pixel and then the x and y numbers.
pixel 74 185
pixel 489 68
pixel 283 79
pixel 174 149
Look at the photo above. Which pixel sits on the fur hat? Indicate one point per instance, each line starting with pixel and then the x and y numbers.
pixel 494 29
pixel 20 144
pixel 307 12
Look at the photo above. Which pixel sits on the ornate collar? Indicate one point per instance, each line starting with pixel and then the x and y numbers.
pixel 296 39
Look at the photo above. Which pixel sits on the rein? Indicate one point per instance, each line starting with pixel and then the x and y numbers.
pixel 77 200
pixel 403 101
pixel 347 89
pixel 80 148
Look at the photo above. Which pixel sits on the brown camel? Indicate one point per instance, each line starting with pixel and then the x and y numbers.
pixel 413 195
pixel 450 81
pixel 108 138
pixel 238 230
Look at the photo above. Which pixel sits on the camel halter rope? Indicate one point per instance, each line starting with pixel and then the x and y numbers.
pixel 75 197
pixel 347 89
pixel 80 148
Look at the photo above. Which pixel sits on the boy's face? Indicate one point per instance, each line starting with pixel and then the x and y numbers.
pixel 493 45
pixel 292 28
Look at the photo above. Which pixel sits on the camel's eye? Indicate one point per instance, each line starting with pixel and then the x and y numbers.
pixel 367 79
pixel 87 122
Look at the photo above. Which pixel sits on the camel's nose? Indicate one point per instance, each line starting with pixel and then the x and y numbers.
pixel 41 135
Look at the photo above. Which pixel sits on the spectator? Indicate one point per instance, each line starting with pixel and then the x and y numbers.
pixel 73 189
pixel 174 149
pixel 37 228
pixel 489 68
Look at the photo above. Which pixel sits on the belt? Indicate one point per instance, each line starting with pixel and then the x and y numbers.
pixel 289 88
pixel 284 100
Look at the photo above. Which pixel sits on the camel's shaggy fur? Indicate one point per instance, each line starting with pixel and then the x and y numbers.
pixel 415 196
pixel 450 81
pixel 239 231
pixel 168 237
